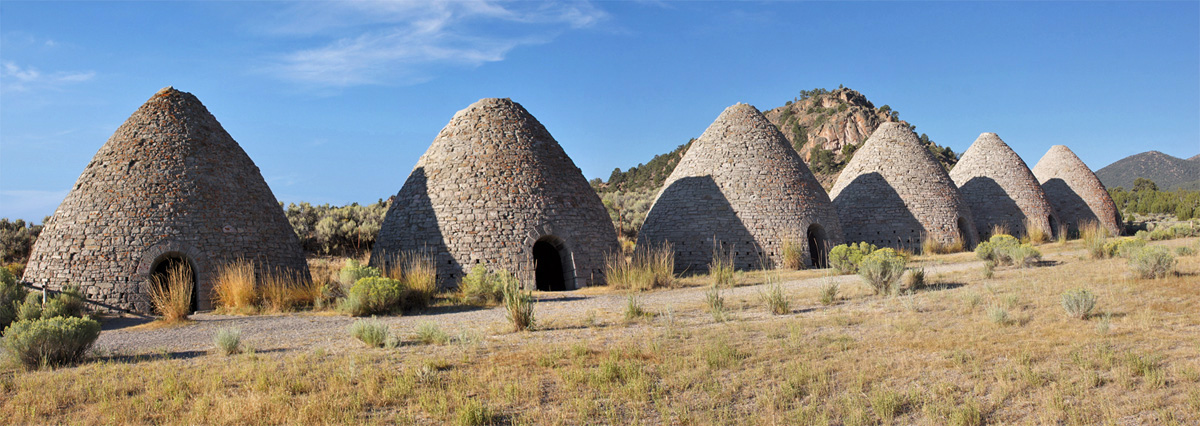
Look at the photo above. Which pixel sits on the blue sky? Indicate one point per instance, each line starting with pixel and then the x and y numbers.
pixel 336 101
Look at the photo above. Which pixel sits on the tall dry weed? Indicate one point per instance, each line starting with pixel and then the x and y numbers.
pixel 172 294
pixel 647 268
pixel 235 290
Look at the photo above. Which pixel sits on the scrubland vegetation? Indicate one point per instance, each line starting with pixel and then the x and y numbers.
pixel 1070 340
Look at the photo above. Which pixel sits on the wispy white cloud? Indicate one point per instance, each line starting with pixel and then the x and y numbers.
pixel 15 78
pixel 361 43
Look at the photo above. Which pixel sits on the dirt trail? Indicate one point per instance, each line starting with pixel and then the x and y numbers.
pixel 563 312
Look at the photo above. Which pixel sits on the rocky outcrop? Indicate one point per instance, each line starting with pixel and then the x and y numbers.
pixel 830 120
pixel 741 189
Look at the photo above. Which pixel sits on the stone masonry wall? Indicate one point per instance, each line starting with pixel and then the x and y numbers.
pixel 169 181
pixel 1075 192
pixel 1000 189
pixel 493 183
pixel 743 188
pixel 893 193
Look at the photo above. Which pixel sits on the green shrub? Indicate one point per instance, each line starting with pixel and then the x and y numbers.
pixel 31 308
pixel 374 295
pixel 1078 303
pixel 882 270
pixel 482 288
pixel 846 257
pixel 1184 251
pixel 11 296
pixel 1161 233
pixel 372 332
pixel 1004 249
pixel 228 341
pixel 1123 247
pixel 1143 235
pixel 52 341
pixel 519 306
pixel 353 271
pixel 429 333
pixel 1152 262
pixel 1182 231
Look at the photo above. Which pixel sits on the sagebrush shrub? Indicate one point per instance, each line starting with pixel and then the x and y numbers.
pixel 846 257
pixel 373 295
pixel 482 288
pixel 519 306
pixel 429 332
pixel 1078 303
pixel 372 332
pixel 1182 231
pixel 228 341
pixel 1123 247
pixel 1152 262
pixel 11 296
pixel 1003 249
pixel 882 270
pixel 1184 251
pixel 52 341
pixel 353 271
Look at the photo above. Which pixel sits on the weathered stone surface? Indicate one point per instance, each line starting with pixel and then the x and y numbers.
pixel 893 193
pixel 493 183
pixel 170 181
pixel 1075 192
pixel 742 185
pixel 1000 189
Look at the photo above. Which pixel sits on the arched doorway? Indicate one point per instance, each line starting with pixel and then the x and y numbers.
pixel 551 260
pixel 1053 226
pixel 169 262
pixel 962 232
pixel 818 247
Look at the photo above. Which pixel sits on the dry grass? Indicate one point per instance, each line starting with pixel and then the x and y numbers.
pixel 933 246
pixel 1034 233
pixel 418 273
pixel 172 295
pixel 647 268
pixel 235 288
pixel 282 291
pixel 793 255
pixel 865 360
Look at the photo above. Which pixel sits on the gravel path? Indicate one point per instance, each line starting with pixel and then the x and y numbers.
pixel 561 312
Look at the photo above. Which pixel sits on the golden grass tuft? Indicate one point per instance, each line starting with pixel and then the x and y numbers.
pixel 418 273
pixel 235 288
pixel 172 295
pixel 999 229
pixel 647 268
pixel 933 246
pixel 281 290
pixel 1035 233
pixel 793 255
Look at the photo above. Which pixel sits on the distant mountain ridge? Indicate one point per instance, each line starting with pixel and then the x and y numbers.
pixel 1168 172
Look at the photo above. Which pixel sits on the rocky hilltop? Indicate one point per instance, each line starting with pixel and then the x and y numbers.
pixel 1167 171
pixel 830 120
